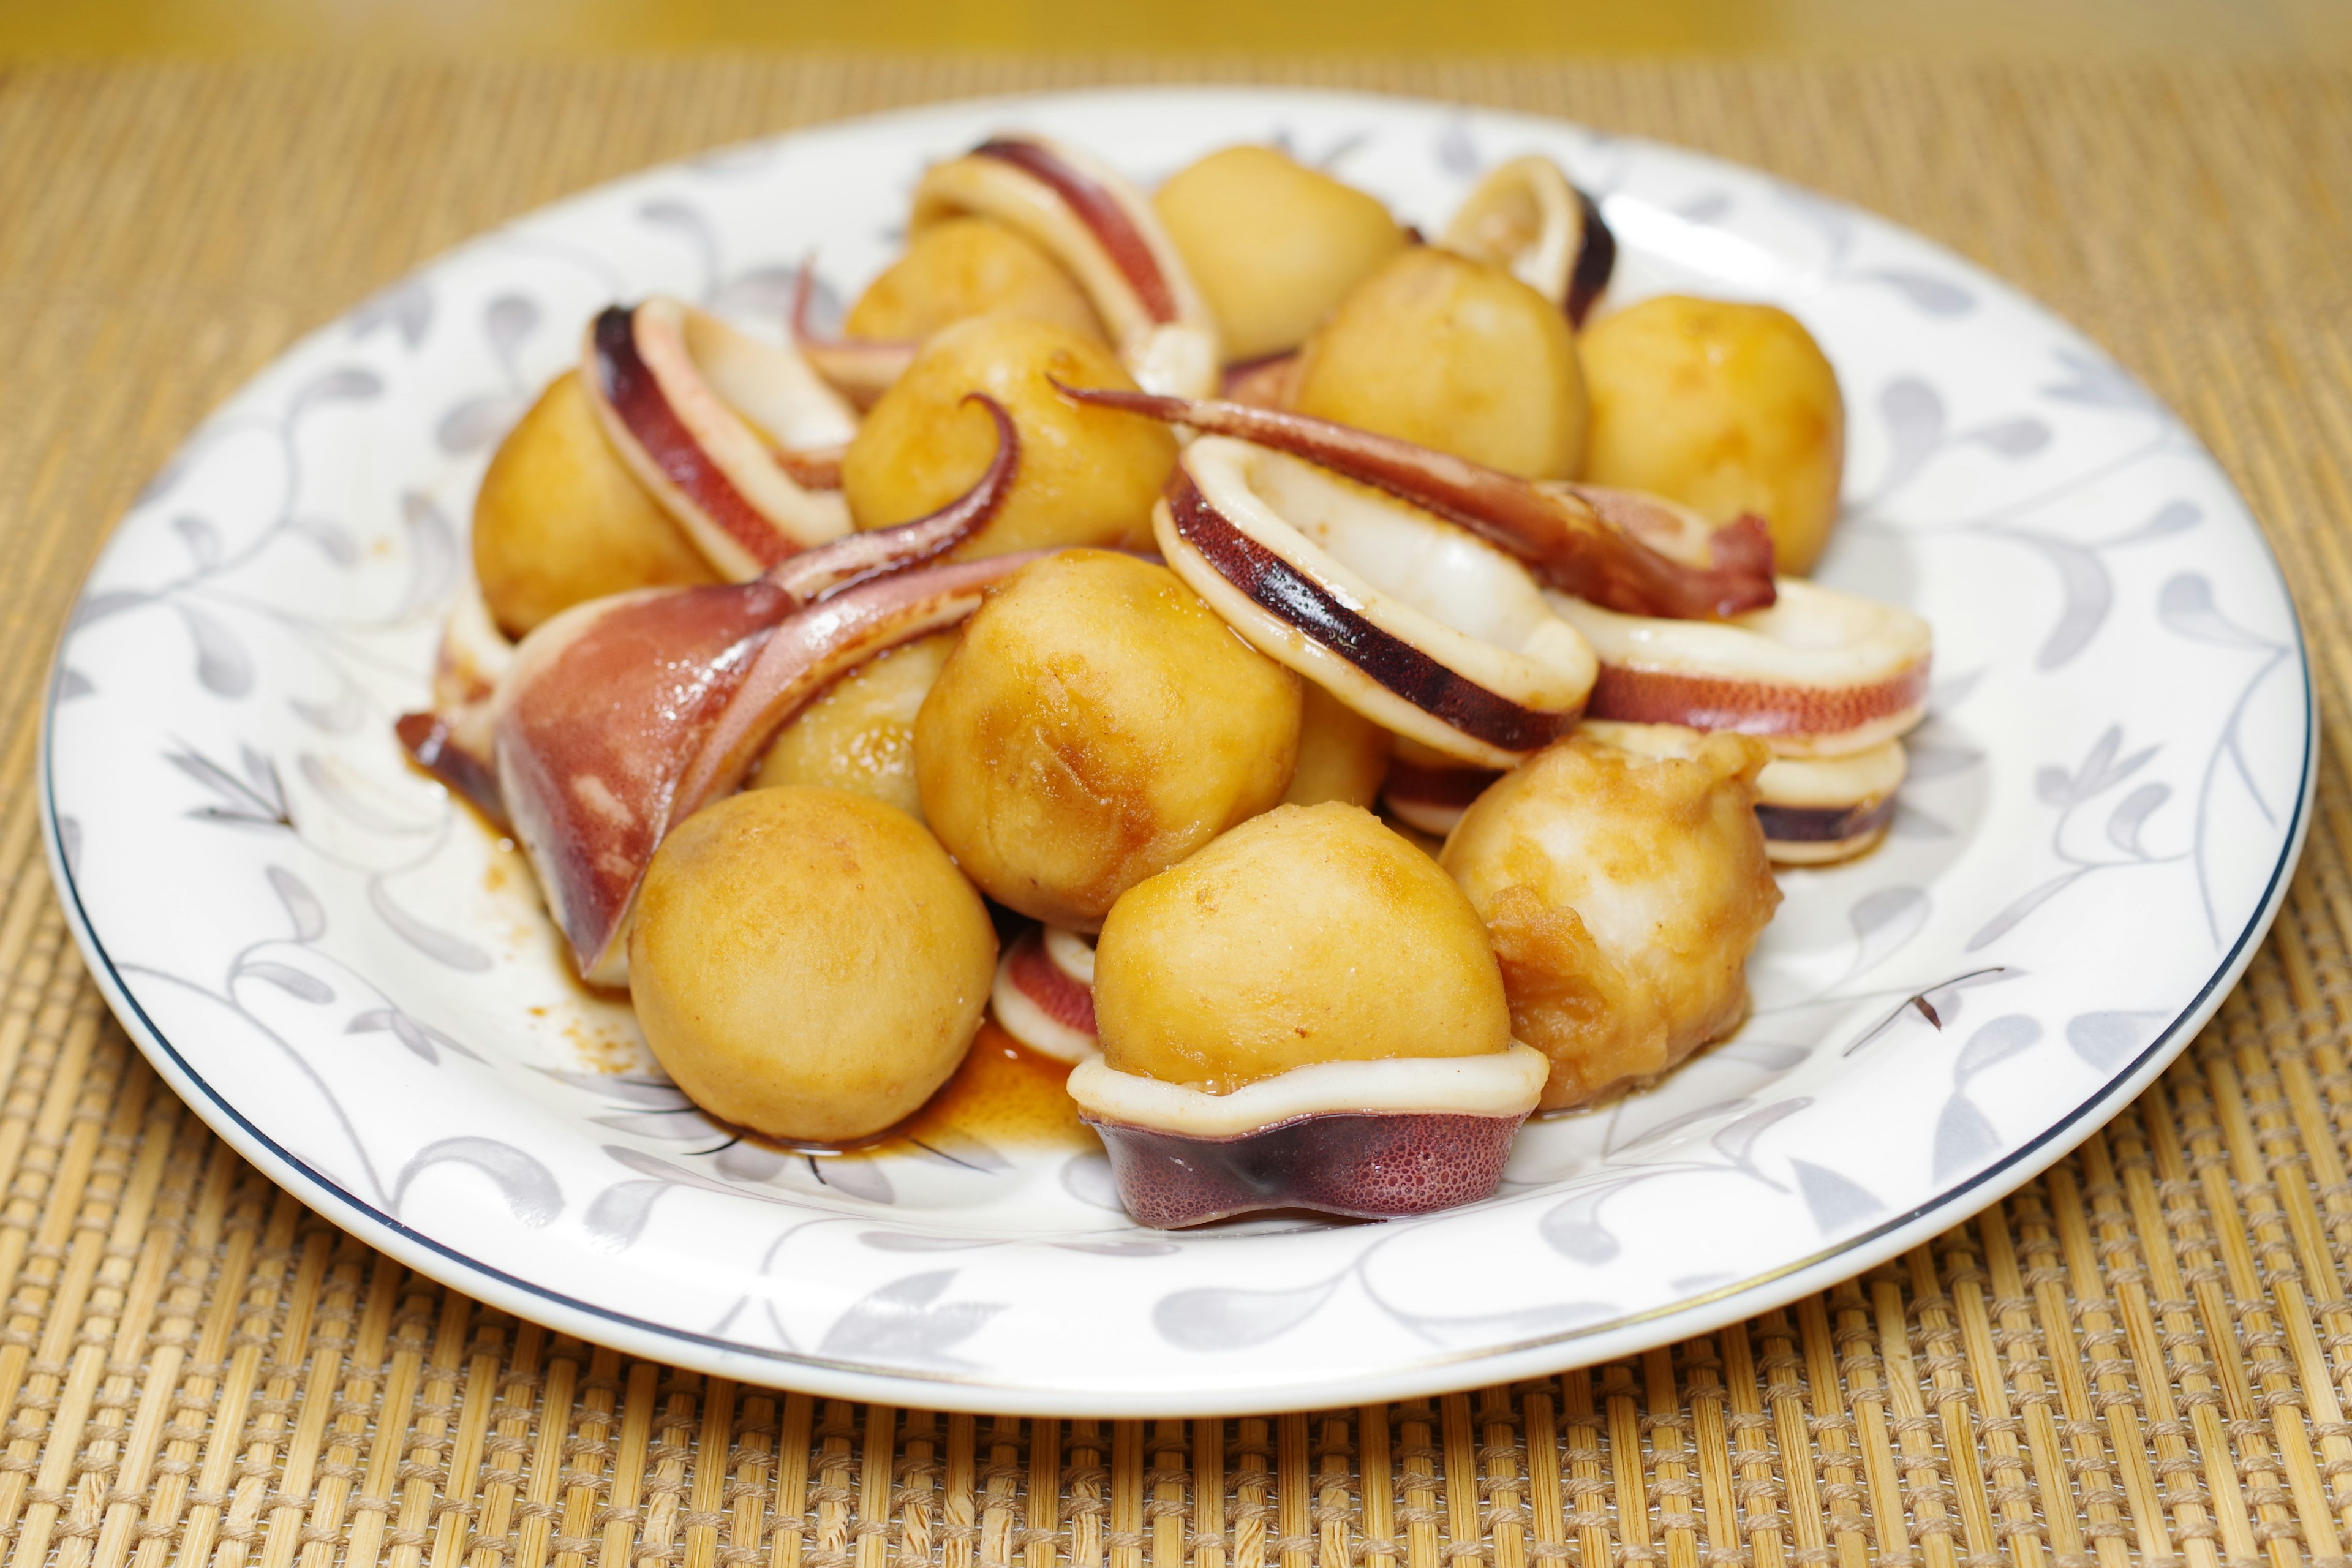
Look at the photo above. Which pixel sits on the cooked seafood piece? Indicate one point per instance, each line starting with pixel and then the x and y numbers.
pixel 1423 628
pixel 1274 245
pixel 1429 791
pixel 1525 215
pixel 1305 1014
pixel 1730 408
pixel 1088 218
pixel 1097 724
pixel 1453 354
pixel 559 519
pixel 1623 882
pixel 706 419
pixel 808 962
pixel 1821 809
pixel 1044 993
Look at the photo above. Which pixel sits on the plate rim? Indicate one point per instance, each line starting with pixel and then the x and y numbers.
pixel 840 1377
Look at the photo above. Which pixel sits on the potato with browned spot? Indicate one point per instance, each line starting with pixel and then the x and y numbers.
pixel 1087 476
pixel 559 520
pixel 1624 883
pixel 1726 407
pixel 1452 354
pixel 860 734
pixel 1097 724
pixel 1310 935
pixel 966 267
pixel 808 962
pixel 1341 754
pixel 1273 245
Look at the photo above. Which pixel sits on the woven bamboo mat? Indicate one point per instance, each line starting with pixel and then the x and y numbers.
pixel 2145 1354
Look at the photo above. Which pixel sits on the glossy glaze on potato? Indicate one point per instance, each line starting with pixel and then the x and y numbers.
pixel 1452 353
pixel 1622 889
pixel 1088 476
pixel 966 267
pixel 1726 407
pixel 1097 724
pixel 860 735
pixel 808 962
pixel 1274 245
pixel 559 520
pixel 1310 935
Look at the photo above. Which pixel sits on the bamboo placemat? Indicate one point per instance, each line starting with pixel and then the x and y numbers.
pixel 2144 1355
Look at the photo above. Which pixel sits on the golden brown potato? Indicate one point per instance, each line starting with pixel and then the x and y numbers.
pixel 1274 246
pixel 1726 407
pixel 963 267
pixel 860 735
pixel 1097 724
pixel 559 520
pixel 808 962
pixel 1455 355
pixel 1088 476
pixel 1341 754
pixel 1310 935
pixel 1623 886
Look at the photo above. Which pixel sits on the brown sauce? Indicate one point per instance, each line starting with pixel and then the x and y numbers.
pixel 1004 1095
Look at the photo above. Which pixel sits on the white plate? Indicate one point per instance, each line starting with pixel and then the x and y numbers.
pixel 354 986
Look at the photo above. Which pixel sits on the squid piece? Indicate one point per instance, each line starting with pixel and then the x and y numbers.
pixel 739 440
pixel 621 717
pixel 1102 230
pixel 1527 216
pixel 1423 628
pixel 1564 540
pixel 1815 811
pixel 1428 791
pixel 1044 994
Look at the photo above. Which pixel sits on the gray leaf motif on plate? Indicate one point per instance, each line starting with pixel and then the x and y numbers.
pixel 530 1189
pixel 303 910
pixel 1965 1136
pixel 222 666
pixel 256 800
pixel 406 307
pixel 1220 1318
pixel 419 1039
pixel 907 1321
pixel 435 944
pixel 1837 1203
pixel 2107 1040
pixel 432 555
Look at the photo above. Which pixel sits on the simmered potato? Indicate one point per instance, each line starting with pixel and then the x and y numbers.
pixel 963 267
pixel 860 735
pixel 1273 245
pixel 1097 724
pixel 1341 754
pixel 1310 935
pixel 808 962
pixel 1088 476
pixel 1726 407
pixel 559 520
pixel 1455 355
pixel 1623 886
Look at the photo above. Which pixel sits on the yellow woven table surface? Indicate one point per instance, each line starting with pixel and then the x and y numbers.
pixel 2145 1354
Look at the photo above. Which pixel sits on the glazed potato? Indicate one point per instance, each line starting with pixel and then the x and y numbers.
pixel 808 962
pixel 860 735
pixel 1726 407
pixel 1623 886
pixel 1088 476
pixel 1273 245
pixel 963 267
pixel 559 520
pixel 1452 353
pixel 1097 724
pixel 1341 754
pixel 1310 935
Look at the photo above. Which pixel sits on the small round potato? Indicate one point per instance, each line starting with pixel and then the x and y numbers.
pixel 860 735
pixel 1088 476
pixel 1624 883
pixel 1341 754
pixel 808 962
pixel 1455 355
pixel 1272 244
pixel 1727 408
pixel 1310 935
pixel 963 267
pixel 559 520
pixel 1097 724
